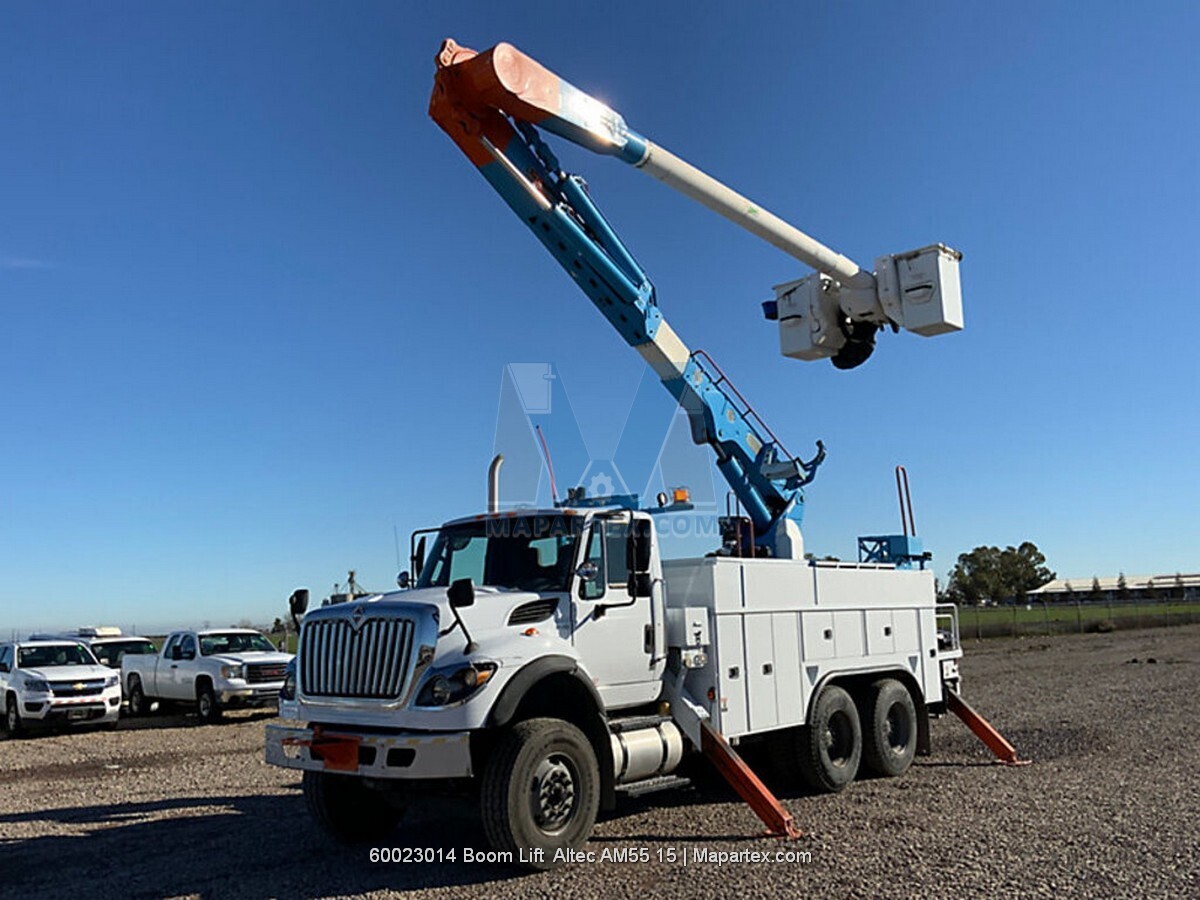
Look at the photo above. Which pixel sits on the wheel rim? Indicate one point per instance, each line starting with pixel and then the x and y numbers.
pixel 10 717
pixel 839 739
pixel 898 730
pixel 205 706
pixel 553 794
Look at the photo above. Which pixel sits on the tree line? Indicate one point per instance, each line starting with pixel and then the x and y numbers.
pixel 990 575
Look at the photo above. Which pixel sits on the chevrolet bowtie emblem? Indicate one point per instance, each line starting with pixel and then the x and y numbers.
pixel 78 686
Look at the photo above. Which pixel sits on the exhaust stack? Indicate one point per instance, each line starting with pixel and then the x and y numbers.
pixel 493 503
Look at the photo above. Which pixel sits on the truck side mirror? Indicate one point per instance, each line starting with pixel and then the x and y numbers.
pixel 4 667
pixel 640 584
pixel 418 559
pixel 298 602
pixel 404 581
pixel 462 593
pixel 638 546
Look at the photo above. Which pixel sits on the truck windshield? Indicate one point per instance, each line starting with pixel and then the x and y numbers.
pixel 526 553
pixel 234 642
pixel 55 655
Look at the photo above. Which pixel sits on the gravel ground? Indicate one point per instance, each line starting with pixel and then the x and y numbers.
pixel 1111 806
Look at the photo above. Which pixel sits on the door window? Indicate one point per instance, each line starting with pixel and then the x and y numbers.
pixel 615 535
pixel 594 589
pixel 189 647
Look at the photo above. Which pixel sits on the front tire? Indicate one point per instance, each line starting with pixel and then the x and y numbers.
pixel 347 810
pixel 830 745
pixel 207 708
pixel 540 792
pixel 889 729
pixel 12 717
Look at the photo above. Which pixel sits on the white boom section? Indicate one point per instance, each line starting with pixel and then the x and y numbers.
pixel 918 291
pixel 723 200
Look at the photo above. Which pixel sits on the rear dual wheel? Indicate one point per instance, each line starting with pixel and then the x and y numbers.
pixel 889 728
pixel 829 748
pixel 877 734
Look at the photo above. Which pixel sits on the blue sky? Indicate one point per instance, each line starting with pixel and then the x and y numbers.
pixel 256 306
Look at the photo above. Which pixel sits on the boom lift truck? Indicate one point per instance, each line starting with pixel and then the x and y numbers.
pixel 551 659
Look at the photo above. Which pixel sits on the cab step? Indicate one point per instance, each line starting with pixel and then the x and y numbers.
pixel 633 723
pixel 651 785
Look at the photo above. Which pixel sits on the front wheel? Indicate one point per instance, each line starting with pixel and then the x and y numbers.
pixel 207 707
pixel 12 717
pixel 540 792
pixel 347 810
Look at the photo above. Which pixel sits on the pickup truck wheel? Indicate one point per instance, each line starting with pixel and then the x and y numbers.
pixel 12 717
pixel 347 810
pixel 829 747
pixel 207 707
pixel 139 704
pixel 540 791
pixel 889 728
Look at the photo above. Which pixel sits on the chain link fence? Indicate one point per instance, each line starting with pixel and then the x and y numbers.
pixel 1036 617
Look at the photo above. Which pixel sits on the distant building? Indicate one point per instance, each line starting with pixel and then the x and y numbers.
pixel 1176 586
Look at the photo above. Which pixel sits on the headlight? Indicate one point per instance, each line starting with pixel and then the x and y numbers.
pixel 229 672
pixel 37 685
pixel 451 685
pixel 288 691
pixel 112 681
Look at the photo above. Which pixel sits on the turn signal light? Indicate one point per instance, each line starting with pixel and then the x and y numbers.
pixel 681 495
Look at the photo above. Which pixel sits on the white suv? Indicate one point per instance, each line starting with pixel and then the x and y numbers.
pixel 53 682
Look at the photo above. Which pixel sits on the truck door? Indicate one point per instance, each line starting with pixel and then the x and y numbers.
pixel 183 671
pixel 156 678
pixel 613 631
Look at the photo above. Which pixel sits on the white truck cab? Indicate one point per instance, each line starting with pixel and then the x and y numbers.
pixel 56 682
pixel 550 586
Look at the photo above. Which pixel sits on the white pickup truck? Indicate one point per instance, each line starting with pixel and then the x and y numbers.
pixel 54 682
pixel 214 670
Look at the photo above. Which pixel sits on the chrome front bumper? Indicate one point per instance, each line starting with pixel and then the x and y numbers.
pixel 258 695
pixel 403 755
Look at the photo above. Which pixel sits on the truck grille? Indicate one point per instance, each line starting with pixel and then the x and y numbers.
pixel 76 688
pixel 265 672
pixel 372 662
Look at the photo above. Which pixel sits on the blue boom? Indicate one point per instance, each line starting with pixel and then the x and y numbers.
pixel 558 209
